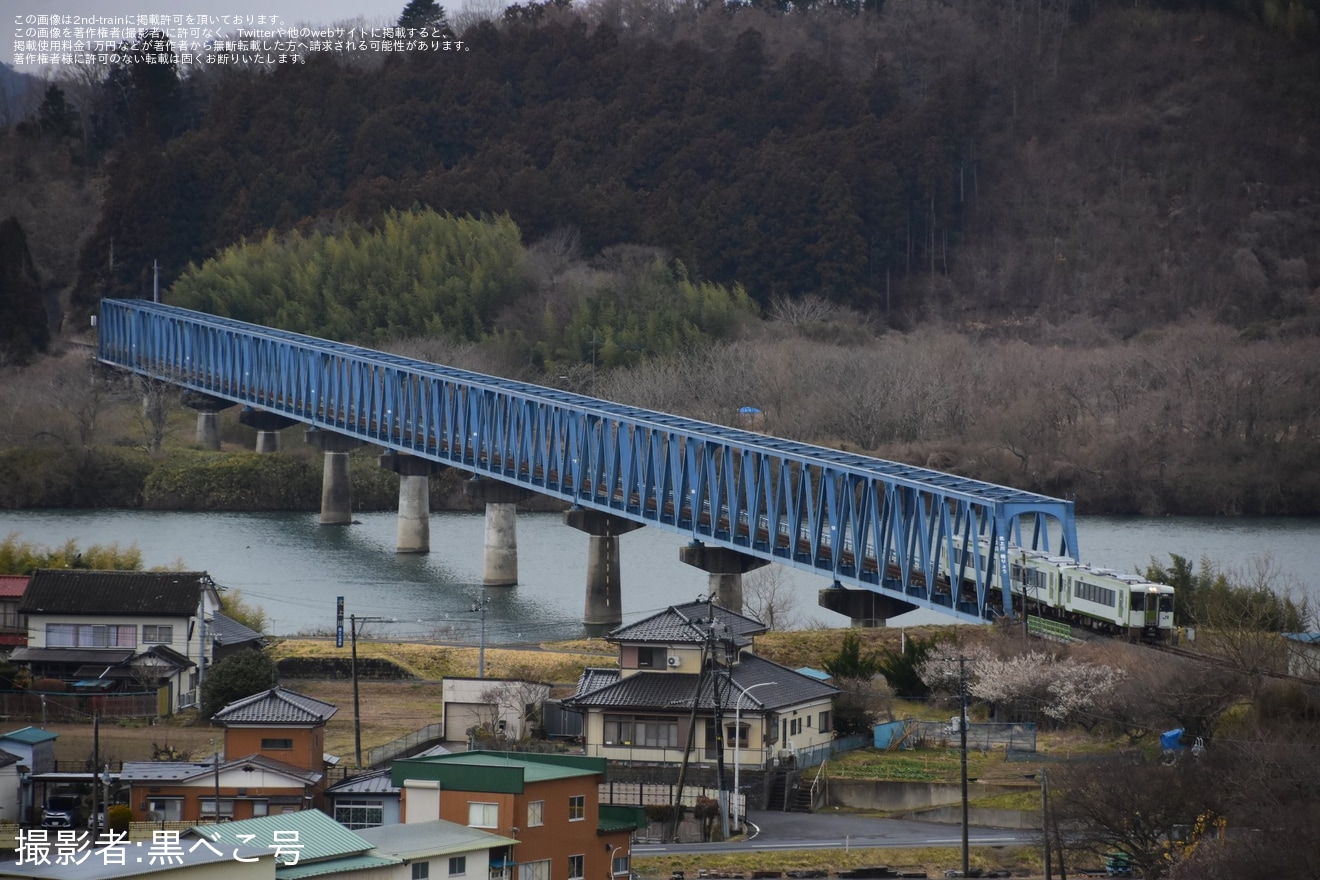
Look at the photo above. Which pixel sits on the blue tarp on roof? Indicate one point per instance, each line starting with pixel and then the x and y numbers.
pixel 1171 739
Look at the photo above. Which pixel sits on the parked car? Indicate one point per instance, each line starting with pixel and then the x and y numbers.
pixel 62 811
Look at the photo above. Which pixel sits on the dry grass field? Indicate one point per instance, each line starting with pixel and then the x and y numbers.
pixel 389 709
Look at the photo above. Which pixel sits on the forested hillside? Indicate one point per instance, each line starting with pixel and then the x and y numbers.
pixel 1138 164
pixel 1069 246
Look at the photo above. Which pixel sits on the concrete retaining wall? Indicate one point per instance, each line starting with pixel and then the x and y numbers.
pixel 893 796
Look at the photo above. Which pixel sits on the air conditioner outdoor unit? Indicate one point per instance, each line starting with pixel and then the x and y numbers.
pixel 673 661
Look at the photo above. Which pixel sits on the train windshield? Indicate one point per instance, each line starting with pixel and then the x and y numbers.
pixel 1166 602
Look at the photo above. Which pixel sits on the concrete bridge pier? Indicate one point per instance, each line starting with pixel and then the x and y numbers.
pixel 604 605
pixel 866 608
pixel 336 485
pixel 414 530
pixel 500 566
pixel 208 417
pixel 268 426
pixel 725 568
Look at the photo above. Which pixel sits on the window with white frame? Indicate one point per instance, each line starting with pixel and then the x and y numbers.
pixel 165 810
pixel 226 808
pixel 157 635
pixel 457 866
pixel 534 870
pixel 421 870
pixel 91 635
pixel 482 815
pixel 535 813
pixel 641 731
pixel 575 869
pixel 577 808
pixel 360 814
pixel 621 864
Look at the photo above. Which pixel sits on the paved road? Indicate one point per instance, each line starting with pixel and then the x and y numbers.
pixel 788 831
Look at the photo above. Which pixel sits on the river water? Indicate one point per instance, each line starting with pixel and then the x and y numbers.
pixel 294 567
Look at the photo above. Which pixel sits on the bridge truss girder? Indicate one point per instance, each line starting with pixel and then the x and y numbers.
pixel 859 521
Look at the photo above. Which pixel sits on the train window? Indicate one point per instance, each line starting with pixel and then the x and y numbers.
pixel 1138 600
pixel 1166 602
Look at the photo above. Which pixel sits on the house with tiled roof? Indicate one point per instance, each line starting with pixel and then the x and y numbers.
pixel 273 762
pixel 13 626
pixel 701 655
pixel 280 724
pixel 185 791
pixel 107 631
pixel 548 803
pixel 229 637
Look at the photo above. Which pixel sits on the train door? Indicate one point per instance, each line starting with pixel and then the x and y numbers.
pixel 1152 610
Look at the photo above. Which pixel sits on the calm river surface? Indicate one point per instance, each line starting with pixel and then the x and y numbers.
pixel 294 567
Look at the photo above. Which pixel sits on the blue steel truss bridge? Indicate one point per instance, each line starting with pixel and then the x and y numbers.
pixel 862 523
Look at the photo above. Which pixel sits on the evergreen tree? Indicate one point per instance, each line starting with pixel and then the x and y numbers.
pixel 423 14
pixel 22 314
pixel 235 677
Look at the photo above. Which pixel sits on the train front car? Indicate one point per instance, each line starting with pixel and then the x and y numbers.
pixel 1150 617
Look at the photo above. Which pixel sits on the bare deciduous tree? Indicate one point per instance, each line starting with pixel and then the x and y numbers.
pixel 769 598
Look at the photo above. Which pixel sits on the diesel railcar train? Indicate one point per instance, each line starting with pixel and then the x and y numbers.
pixel 1100 599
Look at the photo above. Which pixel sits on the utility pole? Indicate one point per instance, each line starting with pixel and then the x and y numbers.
pixel 217 785
pixel 962 728
pixel 353 621
pixel 480 607
pixel 687 747
pixel 1045 820
pixel 726 646
pixel 96 773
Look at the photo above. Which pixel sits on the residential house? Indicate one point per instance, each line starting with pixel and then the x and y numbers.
pixel 193 859
pixel 701 654
pixel 306 844
pixel 371 799
pixel 35 750
pixel 13 775
pixel 439 850
pixel 1303 654
pixel 229 637
pixel 13 626
pixel 119 630
pixel 185 791
pixel 273 763
pixel 503 708
pixel 548 803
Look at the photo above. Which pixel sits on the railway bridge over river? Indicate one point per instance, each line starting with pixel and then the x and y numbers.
pixel 880 533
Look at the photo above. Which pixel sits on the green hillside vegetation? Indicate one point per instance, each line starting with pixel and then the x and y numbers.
pixel 1071 248
pixel 24 557
pixel 423 274
pixel 411 273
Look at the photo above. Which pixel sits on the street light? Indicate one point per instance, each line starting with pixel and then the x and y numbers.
pixel 613 850
pixel 737 739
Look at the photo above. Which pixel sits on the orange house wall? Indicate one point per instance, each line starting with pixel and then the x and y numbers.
pixel 194 795
pixel 557 838
pixel 308 750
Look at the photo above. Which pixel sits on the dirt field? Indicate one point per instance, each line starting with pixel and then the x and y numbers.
pixel 389 709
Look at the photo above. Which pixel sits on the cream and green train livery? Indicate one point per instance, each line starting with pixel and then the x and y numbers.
pixel 1099 598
